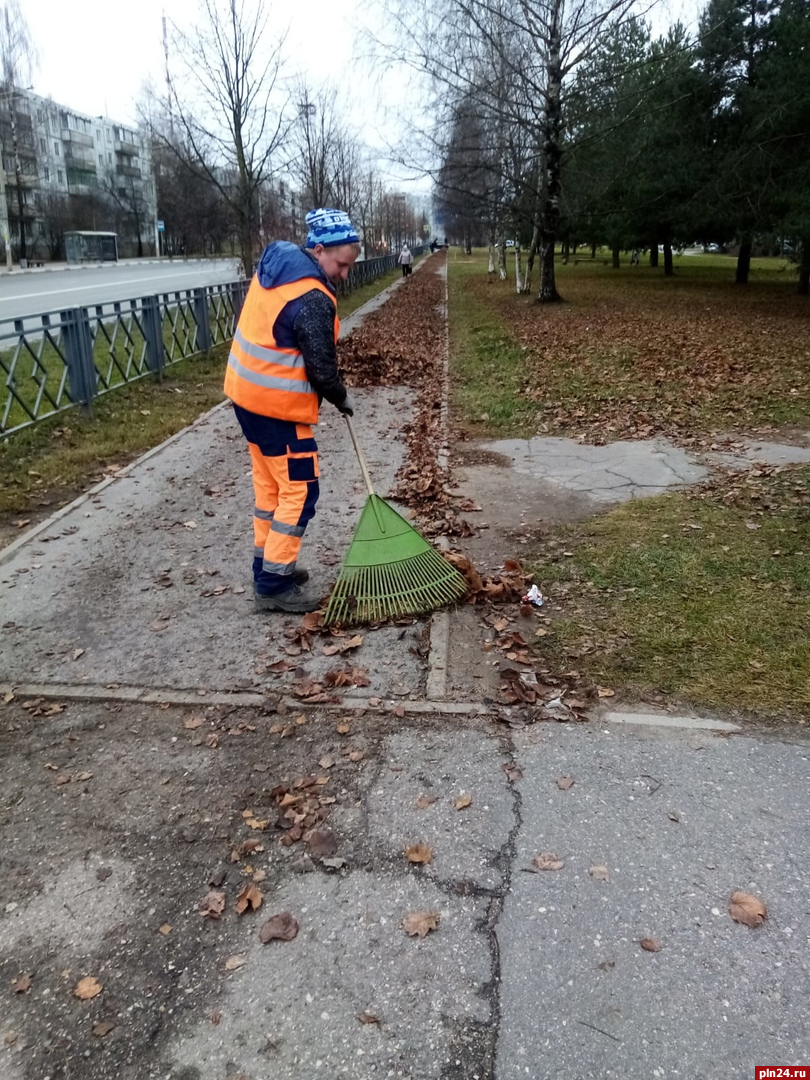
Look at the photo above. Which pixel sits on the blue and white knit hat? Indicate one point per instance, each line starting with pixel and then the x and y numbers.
pixel 331 228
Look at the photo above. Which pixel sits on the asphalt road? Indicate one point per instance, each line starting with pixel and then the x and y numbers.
pixel 54 290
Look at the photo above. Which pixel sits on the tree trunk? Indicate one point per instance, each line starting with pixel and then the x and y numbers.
pixel 743 261
pixel 616 258
pixel 654 255
pixel 23 253
pixel 527 281
pixel 564 252
pixel 491 263
pixel 593 249
pixel 547 292
pixel 503 274
pixel 804 268
pixel 668 267
pixel 552 158
pixel 518 270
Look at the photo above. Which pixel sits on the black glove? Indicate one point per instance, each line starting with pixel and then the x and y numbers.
pixel 347 408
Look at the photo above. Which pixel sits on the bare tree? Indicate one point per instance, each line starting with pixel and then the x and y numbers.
pixel 512 59
pixel 230 111
pixel 17 58
pixel 325 159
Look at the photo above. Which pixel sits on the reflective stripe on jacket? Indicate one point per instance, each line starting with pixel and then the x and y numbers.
pixel 262 377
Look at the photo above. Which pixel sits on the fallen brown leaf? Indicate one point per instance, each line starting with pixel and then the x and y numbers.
pixel 419 853
pixel 368 1018
pixel 165 929
pixel 420 923
pixel 233 963
pixel 547 860
pixel 747 909
pixel 102 1028
pixel 22 984
pixel 213 905
pixel 600 873
pixel 650 944
pixel 281 927
pixel 193 723
pixel 565 783
pixel 424 801
pixel 249 897
pixel 463 801
pixel 87 988
pixel 322 843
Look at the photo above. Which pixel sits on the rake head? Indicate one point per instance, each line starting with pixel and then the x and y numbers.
pixel 390 571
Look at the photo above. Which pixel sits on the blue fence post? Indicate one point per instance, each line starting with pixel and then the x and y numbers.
pixel 202 319
pixel 78 343
pixel 153 332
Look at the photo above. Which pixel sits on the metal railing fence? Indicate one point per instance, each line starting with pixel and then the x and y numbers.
pixel 58 360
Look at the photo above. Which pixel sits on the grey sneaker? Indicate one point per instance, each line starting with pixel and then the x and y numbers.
pixel 295 600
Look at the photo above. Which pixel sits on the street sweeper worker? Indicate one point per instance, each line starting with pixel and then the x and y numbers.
pixel 282 364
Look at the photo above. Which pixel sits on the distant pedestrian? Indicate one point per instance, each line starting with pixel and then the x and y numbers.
pixel 405 260
pixel 634 257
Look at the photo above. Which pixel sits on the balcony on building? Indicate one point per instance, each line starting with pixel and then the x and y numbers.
pixel 77 138
pixel 124 146
pixel 79 158
pixel 128 170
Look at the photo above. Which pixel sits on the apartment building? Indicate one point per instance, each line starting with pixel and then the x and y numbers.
pixel 65 170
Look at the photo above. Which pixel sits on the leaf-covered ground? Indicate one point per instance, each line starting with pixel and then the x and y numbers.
pixel 632 354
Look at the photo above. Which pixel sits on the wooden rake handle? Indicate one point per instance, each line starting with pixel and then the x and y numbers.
pixel 359 452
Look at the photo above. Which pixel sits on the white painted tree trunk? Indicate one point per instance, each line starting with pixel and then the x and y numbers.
pixel 491 264
pixel 502 274
pixel 518 269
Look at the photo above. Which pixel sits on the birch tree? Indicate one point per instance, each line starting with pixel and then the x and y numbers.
pixel 515 59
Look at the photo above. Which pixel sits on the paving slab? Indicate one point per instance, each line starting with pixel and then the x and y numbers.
pixel 613 473
pixel 750 451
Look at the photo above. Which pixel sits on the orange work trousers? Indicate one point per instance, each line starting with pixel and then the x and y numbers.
pixel 284 456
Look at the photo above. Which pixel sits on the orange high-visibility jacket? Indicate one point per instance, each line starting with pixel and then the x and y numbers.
pixel 262 377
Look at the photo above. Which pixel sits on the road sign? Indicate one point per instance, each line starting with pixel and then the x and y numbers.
pixel 161 227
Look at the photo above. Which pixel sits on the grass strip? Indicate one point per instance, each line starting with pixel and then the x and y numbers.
pixel 701 600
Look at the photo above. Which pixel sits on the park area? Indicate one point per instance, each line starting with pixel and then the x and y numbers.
pixel 700 596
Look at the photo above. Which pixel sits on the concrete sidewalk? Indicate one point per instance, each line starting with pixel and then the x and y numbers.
pixel 152 753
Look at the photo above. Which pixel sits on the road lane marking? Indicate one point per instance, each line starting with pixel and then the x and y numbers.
pixel 90 285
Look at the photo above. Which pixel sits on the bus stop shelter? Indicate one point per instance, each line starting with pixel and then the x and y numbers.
pixel 91 247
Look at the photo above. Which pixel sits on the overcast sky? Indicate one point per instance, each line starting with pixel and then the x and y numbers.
pixel 95 56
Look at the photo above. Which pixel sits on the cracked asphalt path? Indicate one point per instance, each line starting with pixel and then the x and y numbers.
pixel 116 818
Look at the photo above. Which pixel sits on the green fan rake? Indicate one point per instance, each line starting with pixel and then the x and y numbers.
pixel 389 570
